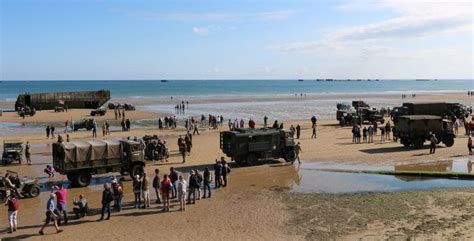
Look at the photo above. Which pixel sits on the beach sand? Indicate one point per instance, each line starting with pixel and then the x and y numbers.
pixel 257 204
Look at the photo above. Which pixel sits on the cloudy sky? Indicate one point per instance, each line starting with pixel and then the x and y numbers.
pixel 247 39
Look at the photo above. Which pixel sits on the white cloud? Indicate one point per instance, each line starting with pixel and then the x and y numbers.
pixel 203 31
pixel 276 15
pixel 417 18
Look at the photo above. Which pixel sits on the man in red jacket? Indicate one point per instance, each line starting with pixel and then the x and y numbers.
pixel 13 206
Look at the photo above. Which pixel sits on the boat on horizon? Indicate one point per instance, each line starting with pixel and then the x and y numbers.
pixel 422 80
pixel 329 79
pixel 163 81
pixel 300 80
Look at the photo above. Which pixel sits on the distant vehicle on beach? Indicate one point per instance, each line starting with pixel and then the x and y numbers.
pixel 443 109
pixel 100 111
pixel 246 146
pixel 76 99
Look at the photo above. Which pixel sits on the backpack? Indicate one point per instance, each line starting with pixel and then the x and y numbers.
pixel 15 203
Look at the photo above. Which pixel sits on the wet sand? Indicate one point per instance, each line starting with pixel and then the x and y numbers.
pixel 258 203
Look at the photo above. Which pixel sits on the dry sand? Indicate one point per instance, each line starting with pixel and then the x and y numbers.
pixel 256 205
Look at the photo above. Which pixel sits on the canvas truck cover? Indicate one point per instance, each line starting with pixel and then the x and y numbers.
pixel 82 151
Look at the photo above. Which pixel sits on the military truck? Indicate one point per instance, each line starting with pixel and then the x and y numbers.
pixel 100 111
pixel 346 118
pixel 430 108
pixel 359 104
pixel 80 160
pixel 12 151
pixel 246 146
pixel 414 130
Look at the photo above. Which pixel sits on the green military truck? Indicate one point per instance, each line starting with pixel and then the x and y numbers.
pixel 82 159
pixel 246 146
pixel 414 130
pixel 443 109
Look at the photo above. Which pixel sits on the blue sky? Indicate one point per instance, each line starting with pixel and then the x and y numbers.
pixel 117 39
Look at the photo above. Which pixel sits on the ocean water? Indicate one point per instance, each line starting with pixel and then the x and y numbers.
pixel 245 98
pixel 9 90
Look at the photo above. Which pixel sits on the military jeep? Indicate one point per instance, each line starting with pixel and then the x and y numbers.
pixel 246 146
pixel 12 151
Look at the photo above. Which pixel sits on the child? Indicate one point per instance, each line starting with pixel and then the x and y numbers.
pixel 50 171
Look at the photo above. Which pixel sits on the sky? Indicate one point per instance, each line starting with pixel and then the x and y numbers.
pixel 230 39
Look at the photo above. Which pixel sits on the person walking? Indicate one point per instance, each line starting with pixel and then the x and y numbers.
pixel 27 153
pixel 469 144
pixel 314 132
pixel 433 142
pixel 137 184
pixel 13 206
pixel 94 129
pixel 52 132
pixel 217 174
pixel 207 179
pixel 50 215
pixel 298 131
pixel 196 129
pixel 145 191
pixel 107 198
pixel 166 189
pixel 297 152
pixel 61 196
pixel 156 185
pixel 182 188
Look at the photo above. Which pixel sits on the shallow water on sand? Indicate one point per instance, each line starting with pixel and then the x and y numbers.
pixel 315 180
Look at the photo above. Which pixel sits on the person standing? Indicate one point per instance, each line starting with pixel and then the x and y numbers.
pixel 217 174
pixel 469 144
pixel 207 182
pixel 118 194
pixel 13 206
pixel 127 122
pixel 145 191
pixel 156 185
pixel 370 132
pixel 173 178
pixel 182 188
pixel 48 130
pixel 298 131
pixel 52 132
pixel 265 121
pixel 61 197
pixel 50 215
pixel 27 153
pixel 225 171
pixel 94 129
pixel 137 184
pixel 364 134
pixel 166 188
pixel 107 198
pixel 193 186
pixel 196 129
pixel 433 142
pixel 314 132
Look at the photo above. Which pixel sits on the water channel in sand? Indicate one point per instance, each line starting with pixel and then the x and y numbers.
pixel 314 177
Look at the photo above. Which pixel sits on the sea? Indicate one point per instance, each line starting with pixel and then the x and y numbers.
pixel 246 99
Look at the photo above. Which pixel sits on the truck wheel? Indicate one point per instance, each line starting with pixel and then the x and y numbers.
pixel 137 169
pixel 405 142
pixel 290 156
pixel 34 191
pixel 419 143
pixel 83 179
pixel 239 161
pixel 71 177
pixel 252 159
pixel 449 141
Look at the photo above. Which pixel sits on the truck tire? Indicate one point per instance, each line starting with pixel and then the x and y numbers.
pixel 290 156
pixel 252 159
pixel 418 143
pixel 405 142
pixel 71 176
pixel 83 179
pixel 137 169
pixel 34 191
pixel 448 141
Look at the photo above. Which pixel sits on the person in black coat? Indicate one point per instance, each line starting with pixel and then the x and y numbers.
pixel 107 198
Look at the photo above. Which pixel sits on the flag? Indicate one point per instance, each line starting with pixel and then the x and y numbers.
pixel 61 102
